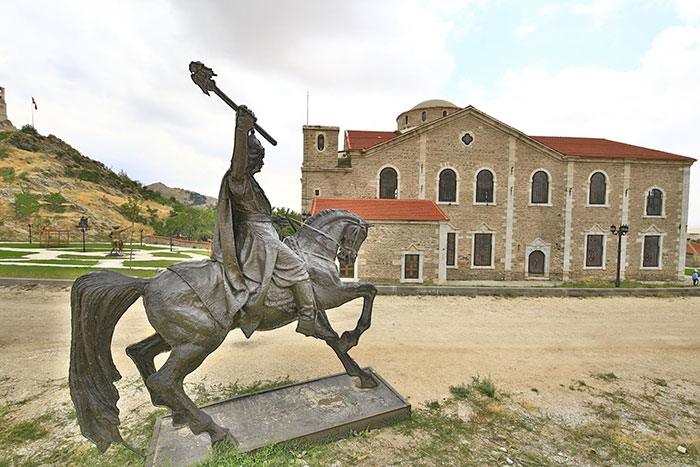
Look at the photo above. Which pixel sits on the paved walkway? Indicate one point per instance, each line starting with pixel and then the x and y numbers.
pixel 108 262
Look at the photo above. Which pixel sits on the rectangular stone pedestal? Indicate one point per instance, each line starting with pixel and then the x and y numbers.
pixel 311 410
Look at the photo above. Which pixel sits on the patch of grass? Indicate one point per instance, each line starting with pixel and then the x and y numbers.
pixel 21 432
pixel 6 254
pixel 75 262
pixel 203 394
pixel 7 174
pixel 168 254
pixel 3 153
pixel 485 386
pixel 290 453
pixel 156 263
pixel 99 258
pixel 196 252
pixel 460 392
pixel 56 272
pixel 609 377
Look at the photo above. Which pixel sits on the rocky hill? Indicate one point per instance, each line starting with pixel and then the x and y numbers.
pixel 46 182
pixel 186 197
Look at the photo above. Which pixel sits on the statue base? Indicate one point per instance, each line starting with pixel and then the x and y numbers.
pixel 309 411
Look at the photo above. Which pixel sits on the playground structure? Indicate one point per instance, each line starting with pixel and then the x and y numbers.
pixel 54 238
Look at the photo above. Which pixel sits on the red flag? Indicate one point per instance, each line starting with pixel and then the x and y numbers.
pixel 34 102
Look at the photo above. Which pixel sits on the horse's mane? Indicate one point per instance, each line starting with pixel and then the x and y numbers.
pixel 321 218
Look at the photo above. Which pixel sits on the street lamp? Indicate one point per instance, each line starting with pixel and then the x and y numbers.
pixel 622 231
pixel 83 226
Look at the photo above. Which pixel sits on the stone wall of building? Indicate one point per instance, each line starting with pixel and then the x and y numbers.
pixel 380 259
pixel 558 228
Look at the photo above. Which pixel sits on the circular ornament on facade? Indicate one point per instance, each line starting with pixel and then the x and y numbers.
pixel 467 139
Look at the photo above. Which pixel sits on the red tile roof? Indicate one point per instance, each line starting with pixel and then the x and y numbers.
pixel 384 209
pixel 599 147
pixel 366 139
pixel 569 146
pixel 692 248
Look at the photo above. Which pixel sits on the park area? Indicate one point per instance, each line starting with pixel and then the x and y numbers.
pixel 492 381
pixel 29 260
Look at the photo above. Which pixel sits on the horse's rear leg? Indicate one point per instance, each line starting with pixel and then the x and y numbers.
pixel 142 353
pixel 166 383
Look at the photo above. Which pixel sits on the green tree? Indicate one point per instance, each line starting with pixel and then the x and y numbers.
pixel 284 227
pixel 190 223
pixel 132 209
pixel 26 204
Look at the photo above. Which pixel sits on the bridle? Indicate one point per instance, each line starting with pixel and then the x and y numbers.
pixel 342 246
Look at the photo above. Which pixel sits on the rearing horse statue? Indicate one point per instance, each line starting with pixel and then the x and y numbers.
pixel 186 327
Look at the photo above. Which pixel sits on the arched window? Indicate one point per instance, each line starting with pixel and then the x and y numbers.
pixel 320 142
pixel 596 191
pixel 655 202
pixel 388 183
pixel 447 186
pixel 540 188
pixel 423 116
pixel 406 119
pixel 444 113
pixel 484 187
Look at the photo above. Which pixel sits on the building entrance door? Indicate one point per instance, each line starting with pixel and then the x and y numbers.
pixel 536 263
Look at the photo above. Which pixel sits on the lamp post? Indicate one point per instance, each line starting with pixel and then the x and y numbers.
pixel 30 232
pixel 620 232
pixel 83 226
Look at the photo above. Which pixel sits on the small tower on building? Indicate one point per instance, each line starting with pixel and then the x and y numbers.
pixel 3 107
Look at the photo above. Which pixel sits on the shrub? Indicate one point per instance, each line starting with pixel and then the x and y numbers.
pixel 3 153
pixel 89 176
pixel 29 129
pixel 7 174
pixel 485 386
pixel 54 202
pixel 26 204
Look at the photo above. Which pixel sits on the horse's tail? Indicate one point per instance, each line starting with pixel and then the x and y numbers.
pixel 98 301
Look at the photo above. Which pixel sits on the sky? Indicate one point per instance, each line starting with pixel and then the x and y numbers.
pixel 111 78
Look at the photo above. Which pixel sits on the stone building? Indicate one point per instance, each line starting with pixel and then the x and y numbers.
pixel 515 207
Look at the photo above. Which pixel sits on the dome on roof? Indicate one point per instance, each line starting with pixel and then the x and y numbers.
pixel 434 103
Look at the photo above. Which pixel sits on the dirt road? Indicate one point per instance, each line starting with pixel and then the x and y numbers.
pixel 420 344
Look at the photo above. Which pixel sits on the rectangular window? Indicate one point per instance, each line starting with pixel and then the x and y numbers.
pixel 451 244
pixel 346 269
pixel 411 266
pixel 594 251
pixel 482 249
pixel 651 251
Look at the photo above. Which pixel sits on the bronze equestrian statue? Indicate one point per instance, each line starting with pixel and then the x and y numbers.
pixel 252 282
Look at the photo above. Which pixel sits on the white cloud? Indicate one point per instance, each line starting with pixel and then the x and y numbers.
pixel 523 31
pixel 112 79
pixel 688 10
pixel 548 10
pixel 599 10
pixel 656 105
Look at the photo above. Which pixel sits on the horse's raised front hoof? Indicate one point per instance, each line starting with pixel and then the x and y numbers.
pixel 367 382
pixel 223 437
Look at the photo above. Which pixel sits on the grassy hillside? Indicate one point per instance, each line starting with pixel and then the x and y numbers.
pixel 46 182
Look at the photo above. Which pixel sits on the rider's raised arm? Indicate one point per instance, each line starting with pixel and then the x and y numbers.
pixel 245 121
